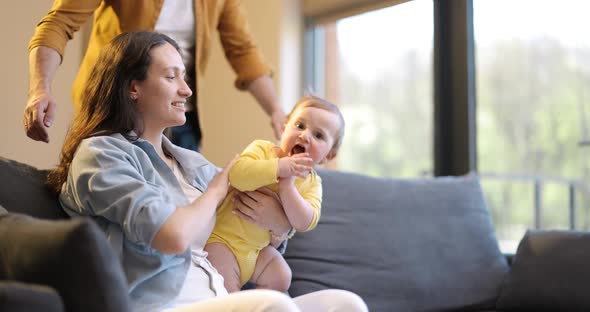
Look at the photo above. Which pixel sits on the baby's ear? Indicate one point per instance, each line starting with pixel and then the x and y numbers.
pixel 329 157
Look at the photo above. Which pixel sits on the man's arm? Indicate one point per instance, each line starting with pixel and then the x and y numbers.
pixel 262 89
pixel 41 107
pixel 46 49
pixel 253 74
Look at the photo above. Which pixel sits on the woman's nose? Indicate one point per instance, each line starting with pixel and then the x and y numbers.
pixel 185 90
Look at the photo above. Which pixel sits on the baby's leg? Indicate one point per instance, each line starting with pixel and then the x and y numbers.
pixel 226 264
pixel 271 271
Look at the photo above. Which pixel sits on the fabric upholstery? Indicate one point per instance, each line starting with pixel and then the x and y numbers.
pixel 549 273
pixel 71 256
pixel 23 190
pixel 401 244
pixel 19 297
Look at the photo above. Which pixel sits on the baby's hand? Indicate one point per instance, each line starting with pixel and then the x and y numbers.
pixel 298 165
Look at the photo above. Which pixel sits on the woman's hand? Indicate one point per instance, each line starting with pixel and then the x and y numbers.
pixel 194 220
pixel 219 185
pixel 263 208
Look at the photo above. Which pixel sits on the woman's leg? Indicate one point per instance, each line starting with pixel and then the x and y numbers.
pixel 331 300
pixel 257 300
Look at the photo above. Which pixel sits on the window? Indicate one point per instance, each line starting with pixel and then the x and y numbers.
pixel 533 114
pixel 532 101
pixel 377 67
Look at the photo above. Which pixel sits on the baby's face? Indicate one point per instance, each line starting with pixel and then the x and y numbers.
pixel 311 130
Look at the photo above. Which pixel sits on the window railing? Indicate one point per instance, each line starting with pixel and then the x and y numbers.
pixel 573 186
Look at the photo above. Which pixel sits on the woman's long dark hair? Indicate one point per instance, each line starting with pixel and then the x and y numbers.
pixel 107 106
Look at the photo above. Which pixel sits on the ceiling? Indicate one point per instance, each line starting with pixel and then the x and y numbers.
pixel 333 9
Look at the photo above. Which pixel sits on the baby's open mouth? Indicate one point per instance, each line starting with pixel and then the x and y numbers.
pixel 297 149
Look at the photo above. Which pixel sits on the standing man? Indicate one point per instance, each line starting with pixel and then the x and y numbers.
pixel 190 22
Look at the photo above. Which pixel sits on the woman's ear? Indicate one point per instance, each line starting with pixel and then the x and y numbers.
pixel 134 90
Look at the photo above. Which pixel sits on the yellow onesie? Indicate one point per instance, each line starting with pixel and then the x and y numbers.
pixel 256 167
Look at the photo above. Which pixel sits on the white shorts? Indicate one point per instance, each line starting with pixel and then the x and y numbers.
pixel 202 282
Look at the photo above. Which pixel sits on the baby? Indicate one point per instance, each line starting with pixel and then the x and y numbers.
pixel 312 133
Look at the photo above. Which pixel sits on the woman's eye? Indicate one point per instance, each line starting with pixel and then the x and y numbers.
pixel 171 77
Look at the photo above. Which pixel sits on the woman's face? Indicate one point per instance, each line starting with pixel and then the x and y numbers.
pixel 161 97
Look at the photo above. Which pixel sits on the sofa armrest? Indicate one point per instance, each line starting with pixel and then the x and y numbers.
pixel 548 273
pixel 71 256
pixel 15 296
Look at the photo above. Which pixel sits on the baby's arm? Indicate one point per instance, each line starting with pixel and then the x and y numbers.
pixel 298 210
pixel 255 168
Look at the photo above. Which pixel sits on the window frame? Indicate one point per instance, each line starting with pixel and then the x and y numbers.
pixel 454 113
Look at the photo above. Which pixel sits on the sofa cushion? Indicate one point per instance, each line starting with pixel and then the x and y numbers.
pixel 71 256
pixel 19 297
pixel 549 273
pixel 23 190
pixel 401 244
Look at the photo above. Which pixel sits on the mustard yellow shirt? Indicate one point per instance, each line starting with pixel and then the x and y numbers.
pixel 112 17
pixel 257 167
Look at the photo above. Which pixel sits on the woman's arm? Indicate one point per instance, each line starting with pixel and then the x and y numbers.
pixel 106 181
pixel 186 223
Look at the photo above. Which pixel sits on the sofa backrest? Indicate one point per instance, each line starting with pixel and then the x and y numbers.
pixel 401 244
pixel 24 191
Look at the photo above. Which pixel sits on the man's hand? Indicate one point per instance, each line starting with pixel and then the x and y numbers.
pixel 263 90
pixel 39 116
pixel 41 107
pixel 277 120
pixel 263 208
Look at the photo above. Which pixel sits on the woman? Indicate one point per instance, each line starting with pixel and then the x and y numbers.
pixel 155 201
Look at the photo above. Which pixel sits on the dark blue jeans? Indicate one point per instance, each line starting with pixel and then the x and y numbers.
pixel 187 135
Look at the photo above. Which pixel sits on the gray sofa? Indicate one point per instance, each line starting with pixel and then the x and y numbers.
pixel 401 244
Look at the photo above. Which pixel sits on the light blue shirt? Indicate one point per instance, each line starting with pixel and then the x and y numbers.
pixel 130 192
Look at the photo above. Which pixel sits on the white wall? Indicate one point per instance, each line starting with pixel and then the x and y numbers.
pixel 231 119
